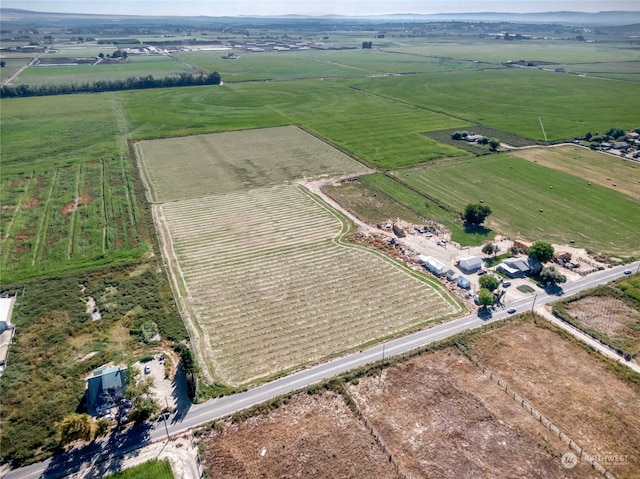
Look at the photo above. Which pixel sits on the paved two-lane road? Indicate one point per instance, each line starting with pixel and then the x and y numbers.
pixel 221 407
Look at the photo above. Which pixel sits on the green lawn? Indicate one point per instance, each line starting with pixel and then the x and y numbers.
pixel 153 469
pixel 535 202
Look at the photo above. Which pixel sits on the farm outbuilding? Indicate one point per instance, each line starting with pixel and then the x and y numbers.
pixel 109 382
pixel 436 267
pixel 463 282
pixel 470 265
pixel 519 267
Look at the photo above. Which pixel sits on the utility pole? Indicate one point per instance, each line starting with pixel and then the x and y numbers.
pixel 533 305
pixel 381 365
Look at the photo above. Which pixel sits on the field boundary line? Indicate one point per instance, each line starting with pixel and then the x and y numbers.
pixel 44 223
pixel 74 212
pixel 149 186
pixel 181 291
pixel 528 406
pixel 348 224
pixel 377 437
pixel 5 241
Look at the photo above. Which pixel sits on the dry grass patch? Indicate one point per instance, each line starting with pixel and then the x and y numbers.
pixel 309 437
pixel 441 417
pixel 582 396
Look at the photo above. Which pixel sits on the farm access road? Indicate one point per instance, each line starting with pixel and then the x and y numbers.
pixel 191 416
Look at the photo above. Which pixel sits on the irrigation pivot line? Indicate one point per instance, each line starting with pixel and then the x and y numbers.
pixel 542 126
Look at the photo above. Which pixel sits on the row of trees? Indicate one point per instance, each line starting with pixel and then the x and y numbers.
pixel 131 83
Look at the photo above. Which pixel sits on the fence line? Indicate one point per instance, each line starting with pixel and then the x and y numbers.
pixel 527 406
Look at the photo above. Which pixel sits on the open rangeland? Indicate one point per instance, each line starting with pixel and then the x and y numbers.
pixel 267 282
pixel 534 202
pixel 311 436
pixel 577 391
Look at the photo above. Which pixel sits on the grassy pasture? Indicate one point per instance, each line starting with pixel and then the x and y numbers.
pixel 514 100
pixel 382 132
pixel 516 190
pixel 500 51
pixel 623 70
pixel 13 64
pixel 428 209
pixel 42 133
pixel 157 66
pixel 593 166
pixel 268 66
pixel 319 64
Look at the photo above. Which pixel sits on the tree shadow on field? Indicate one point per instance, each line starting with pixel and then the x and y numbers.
pixel 477 230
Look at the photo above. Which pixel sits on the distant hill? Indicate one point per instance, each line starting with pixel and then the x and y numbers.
pixel 565 18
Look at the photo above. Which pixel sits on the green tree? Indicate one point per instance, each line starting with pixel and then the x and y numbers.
pixel 488 282
pixel 494 144
pixel 3 64
pixel 541 250
pixel 485 298
pixel 489 248
pixel 74 427
pixel 475 214
pixel 551 276
pixel 457 136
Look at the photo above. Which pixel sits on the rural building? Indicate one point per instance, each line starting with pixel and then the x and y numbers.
pixel 470 265
pixel 6 329
pixel 436 267
pixel 105 383
pixel 463 282
pixel 473 138
pixel 519 267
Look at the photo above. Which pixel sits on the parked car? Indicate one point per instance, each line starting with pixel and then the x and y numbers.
pixel 147 369
pixel 506 284
pixel 126 403
pixel 627 271
pixel 511 310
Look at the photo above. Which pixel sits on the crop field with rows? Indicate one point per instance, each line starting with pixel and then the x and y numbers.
pixel 260 262
pixel 273 289
pixel 68 218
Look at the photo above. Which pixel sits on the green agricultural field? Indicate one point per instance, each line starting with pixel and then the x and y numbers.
pixel 593 166
pixel 320 64
pixel 49 132
pixel 623 70
pixel 153 469
pixel 269 283
pixel 70 218
pixel 500 51
pixel 382 132
pixel 236 161
pixel 534 202
pixel 156 66
pixel 515 100
pixel 268 66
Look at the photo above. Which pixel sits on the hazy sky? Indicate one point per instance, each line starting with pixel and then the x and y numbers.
pixel 314 7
